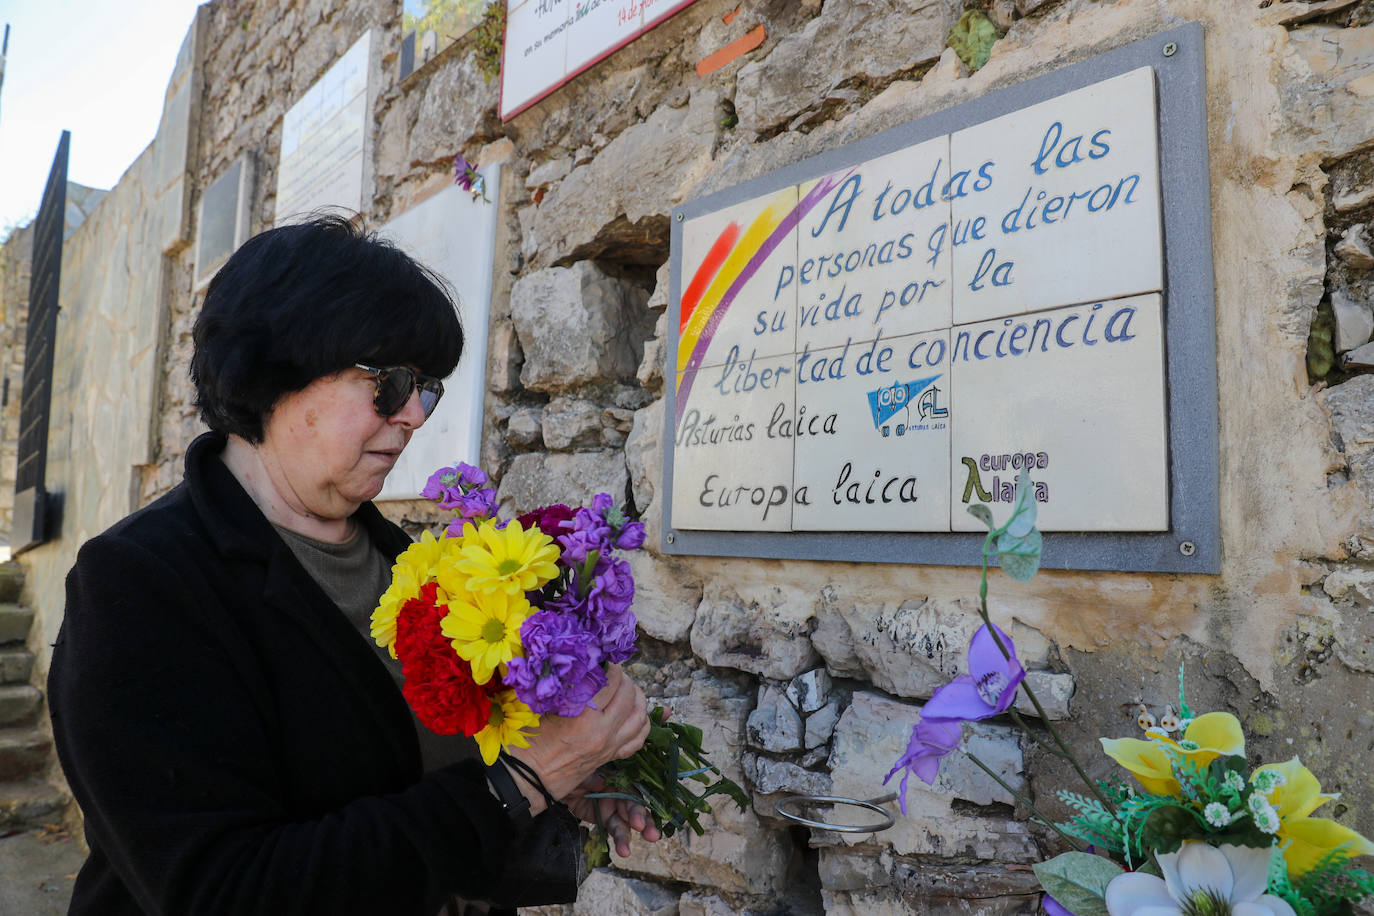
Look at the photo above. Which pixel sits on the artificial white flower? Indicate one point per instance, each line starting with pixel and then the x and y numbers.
pixel 1200 879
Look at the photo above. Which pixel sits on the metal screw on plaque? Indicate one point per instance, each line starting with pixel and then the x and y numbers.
pixel 678 217
pixel 1187 548
pixel 810 802
pixel 671 537
pixel 1170 49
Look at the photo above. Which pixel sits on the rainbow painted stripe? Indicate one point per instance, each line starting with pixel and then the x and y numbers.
pixel 732 260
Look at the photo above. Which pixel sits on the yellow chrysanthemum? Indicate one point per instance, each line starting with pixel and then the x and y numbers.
pixel 1207 737
pixel 506 727
pixel 414 567
pixel 485 629
pixel 508 559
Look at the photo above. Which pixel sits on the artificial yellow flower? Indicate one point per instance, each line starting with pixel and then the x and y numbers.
pixel 505 728
pixel 1310 838
pixel 1206 738
pixel 508 559
pixel 1306 839
pixel 414 567
pixel 1300 793
pixel 485 629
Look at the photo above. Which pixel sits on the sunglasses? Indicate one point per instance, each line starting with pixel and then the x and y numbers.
pixel 394 386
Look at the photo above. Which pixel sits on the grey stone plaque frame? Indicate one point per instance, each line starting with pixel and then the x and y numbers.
pixel 1193 542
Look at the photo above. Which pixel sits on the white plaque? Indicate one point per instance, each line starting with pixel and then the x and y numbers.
pixel 454 235
pixel 323 137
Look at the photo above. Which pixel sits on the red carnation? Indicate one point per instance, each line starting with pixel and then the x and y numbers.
pixel 438 684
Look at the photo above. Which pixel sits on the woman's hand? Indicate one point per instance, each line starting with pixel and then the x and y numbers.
pixel 566 751
pixel 620 817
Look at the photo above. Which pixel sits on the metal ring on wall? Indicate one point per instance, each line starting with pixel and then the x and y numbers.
pixel 816 800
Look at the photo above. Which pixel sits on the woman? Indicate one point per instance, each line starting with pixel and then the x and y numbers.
pixel 235 742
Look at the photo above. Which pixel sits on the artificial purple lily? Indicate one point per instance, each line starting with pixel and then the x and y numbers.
pixel 987 690
pixel 989 687
pixel 931 740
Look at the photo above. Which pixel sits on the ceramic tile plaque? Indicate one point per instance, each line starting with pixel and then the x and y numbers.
pixel 868 343
pixel 323 138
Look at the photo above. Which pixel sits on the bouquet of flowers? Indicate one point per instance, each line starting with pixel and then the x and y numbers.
pixel 498 623
pixel 1204 835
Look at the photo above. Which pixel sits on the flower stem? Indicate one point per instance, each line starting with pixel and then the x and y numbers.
pixel 1025 801
pixel 1030 694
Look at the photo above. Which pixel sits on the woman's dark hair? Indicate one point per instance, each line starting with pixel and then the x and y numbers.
pixel 304 301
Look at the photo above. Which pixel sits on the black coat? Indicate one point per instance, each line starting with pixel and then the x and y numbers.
pixel 234 745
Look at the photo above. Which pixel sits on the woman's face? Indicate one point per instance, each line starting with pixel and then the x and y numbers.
pixel 330 448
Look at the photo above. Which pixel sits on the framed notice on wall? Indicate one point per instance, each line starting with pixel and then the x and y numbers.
pixel 548 42
pixel 869 342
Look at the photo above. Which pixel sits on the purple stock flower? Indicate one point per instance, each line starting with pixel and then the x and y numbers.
pixel 607 610
pixel 989 687
pixel 456 488
pixel 561 670
pixel 631 537
pixel 930 741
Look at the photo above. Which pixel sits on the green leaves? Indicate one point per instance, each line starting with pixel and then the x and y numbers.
pixel 1017 543
pixel 972 38
pixel 657 776
pixel 1078 880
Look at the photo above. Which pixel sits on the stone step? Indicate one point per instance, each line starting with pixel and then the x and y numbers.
pixel 29 803
pixel 14 623
pixel 23 753
pixel 11 580
pixel 16 666
pixel 19 703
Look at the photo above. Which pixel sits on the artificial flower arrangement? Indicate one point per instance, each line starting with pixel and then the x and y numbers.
pixel 1203 835
pixel 498 623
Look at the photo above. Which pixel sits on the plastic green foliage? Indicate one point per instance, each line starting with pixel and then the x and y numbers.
pixel 972 38
pixel 1078 880
pixel 1321 349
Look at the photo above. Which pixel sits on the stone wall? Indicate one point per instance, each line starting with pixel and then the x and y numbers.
pixel 808 676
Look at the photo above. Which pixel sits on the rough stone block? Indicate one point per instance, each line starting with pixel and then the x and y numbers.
pixel 1353 248
pixel 578 325
pixel 11 580
pixel 756 627
pixel 454 107
pixel 872 735
pixel 666 596
pixel 1351 405
pixel 619 201
pixel 808 692
pixel 820 725
pixel 1354 322
pixel 504 358
pixel 609 893
pixel 862 38
pixel 1325 83
pixel 772 777
pixel 644 453
pixel 570 422
pixel 525 428
pixel 549 172
pixel 1053 690
pixel 859 882
pixel 774 725
pixel 540 479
